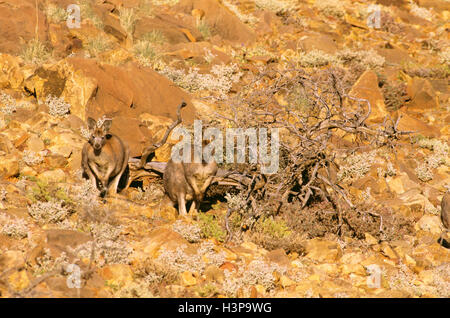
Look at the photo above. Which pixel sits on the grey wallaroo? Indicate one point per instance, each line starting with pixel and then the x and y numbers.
pixel 105 157
pixel 188 182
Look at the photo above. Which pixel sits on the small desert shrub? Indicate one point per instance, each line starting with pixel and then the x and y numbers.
pixel 57 106
pixel 107 247
pixel 444 56
pixel 420 12
pixel 388 23
pixel 154 273
pixel 35 52
pixel 32 158
pixel 424 172
pixel 370 58
pixel 219 81
pixel 9 104
pixel 332 8
pixel 146 53
pixel 273 228
pixel 438 157
pixel 47 263
pixel 87 12
pixel 49 212
pixel 441 71
pixel 55 14
pixel 257 51
pixel 151 192
pixel 13 227
pixel 145 8
pixel 155 37
pixel 394 94
pixel 315 58
pixel 211 227
pixel 356 165
pixel 298 101
pixel 204 29
pixel 180 261
pixel 390 170
pixel 191 232
pixel 257 272
pixel 273 234
pixel 207 290
pixel 277 6
pixel 97 45
pixel 128 19
pixel 165 2
pixel 43 191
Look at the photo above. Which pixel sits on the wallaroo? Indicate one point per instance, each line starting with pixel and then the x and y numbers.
pixel 257 146
pixel 104 157
pixel 188 181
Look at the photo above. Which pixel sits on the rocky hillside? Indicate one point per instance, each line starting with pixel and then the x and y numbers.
pixel 369 228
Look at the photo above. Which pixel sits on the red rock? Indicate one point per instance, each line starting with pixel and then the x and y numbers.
pixel 219 18
pixel 422 94
pixel 170 26
pixel 18 21
pixel 320 42
pixel 409 123
pixel 366 87
pixel 228 266
pixel 125 92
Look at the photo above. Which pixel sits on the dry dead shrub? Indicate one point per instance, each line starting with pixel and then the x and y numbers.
pixel 394 93
pixel 308 166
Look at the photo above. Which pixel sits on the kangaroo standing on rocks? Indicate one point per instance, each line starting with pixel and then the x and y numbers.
pixel 188 182
pixel 104 157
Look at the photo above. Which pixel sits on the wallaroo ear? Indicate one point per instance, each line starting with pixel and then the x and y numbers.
pixel 91 123
pixel 107 125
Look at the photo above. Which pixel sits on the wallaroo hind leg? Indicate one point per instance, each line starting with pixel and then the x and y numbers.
pixel 115 182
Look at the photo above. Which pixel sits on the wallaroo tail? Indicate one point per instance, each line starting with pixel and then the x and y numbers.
pixel 105 157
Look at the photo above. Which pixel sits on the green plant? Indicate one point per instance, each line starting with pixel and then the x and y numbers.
pixel 146 53
pixel 97 45
pixel 333 8
pixel 207 290
pixel 45 192
pixel 87 12
pixel 204 29
pixel 55 14
pixel 35 52
pixel 273 228
pixel 211 227
pixel 128 19
pixel 155 37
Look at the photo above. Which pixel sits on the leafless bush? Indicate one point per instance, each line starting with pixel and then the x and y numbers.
pixel 310 144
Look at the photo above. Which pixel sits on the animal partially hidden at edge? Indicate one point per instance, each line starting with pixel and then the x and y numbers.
pixel 188 182
pixel 445 210
pixel 104 157
pixel 444 239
